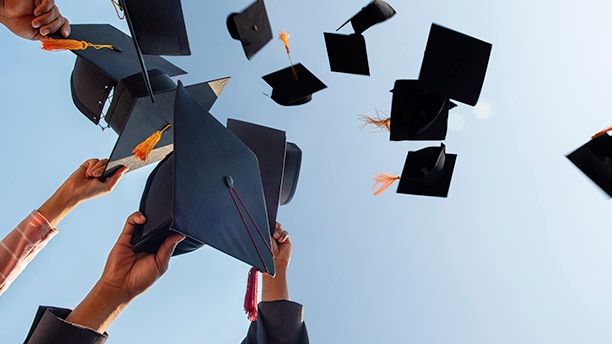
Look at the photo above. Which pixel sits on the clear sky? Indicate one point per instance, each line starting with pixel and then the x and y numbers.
pixel 517 253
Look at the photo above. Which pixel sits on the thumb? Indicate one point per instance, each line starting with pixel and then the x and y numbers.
pixel 165 251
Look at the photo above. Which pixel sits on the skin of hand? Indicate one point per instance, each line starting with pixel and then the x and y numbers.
pixel 33 19
pixel 82 185
pixel 126 275
pixel 276 288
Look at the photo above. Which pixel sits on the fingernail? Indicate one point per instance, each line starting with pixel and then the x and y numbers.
pixel 36 25
pixel 44 32
pixel 66 32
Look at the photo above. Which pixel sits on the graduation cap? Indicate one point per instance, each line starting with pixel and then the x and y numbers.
pixel 288 91
pixel 375 12
pixel 157 26
pixel 251 27
pixel 136 119
pixel 417 114
pixel 209 189
pixel 279 162
pixel 426 172
pixel 347 53
pixel 97 72
pixel 454 65
pixel 594 159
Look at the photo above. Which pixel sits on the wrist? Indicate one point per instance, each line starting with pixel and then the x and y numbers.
pixel 58 205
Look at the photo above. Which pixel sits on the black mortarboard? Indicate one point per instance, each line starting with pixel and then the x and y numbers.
pixel 272 149
pixel 427 172
pixel 286 90
pixel 454 65
pixel 347 53
pixel 375 12
pixel 96 72
pixel 417 114
pixel 251 27
pixel 135 118
pixel 594 159
pixel 209 189
pixel 157 26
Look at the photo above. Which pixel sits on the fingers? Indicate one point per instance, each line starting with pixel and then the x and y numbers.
pixel 94 167
pixel 48 19
pixel 279 234
pixel 43 7
pixel 165 251
pixel 136 218
pixel 111 181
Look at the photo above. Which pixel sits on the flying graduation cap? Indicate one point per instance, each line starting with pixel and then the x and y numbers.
pixel 348 53
pixel 375 12
pixel 209 189
pixel 251 27
pixel 454 65
pixel 157 28
pixel 594 159
pixel 289 91
pixel 427 172
pixel 279 162
pixel 97 72
pixel 417 114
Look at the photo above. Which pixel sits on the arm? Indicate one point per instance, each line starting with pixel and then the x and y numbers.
pixel 21 245
pixel 126 275
pixel 279 320
pixel 33 19
pixel 276 288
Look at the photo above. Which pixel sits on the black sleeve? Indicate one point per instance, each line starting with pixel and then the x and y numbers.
pixel 278 322
pixel 49 327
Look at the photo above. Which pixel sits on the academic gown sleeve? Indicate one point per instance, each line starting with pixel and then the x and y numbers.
pixel 49 327
pixel 278 322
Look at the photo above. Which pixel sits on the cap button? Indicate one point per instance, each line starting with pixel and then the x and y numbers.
pixel 229 181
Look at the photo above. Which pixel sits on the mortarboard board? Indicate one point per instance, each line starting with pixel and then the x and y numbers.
pixel 209 189
pixel 277 162
pixel 427 172
pixel 96 72
pixel 454 65
pixel 288 91
pixel 417 114
pixel 157 26
pixel 594 159
pixel 347 53
pixel 135 118
pixel 251 27
pixel 375 12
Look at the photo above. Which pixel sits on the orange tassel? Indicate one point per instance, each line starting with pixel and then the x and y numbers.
pixel 601 133
pixel 284 36
pixel 142 151
pixel 382 181
pixel 70 44
pixel 377 122
pixel 250 298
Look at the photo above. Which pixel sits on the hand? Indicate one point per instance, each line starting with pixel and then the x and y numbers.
pixel 33 19
pixel 126 275
pixel 83 184
pixel 129 274
pixel 276 288
pixel 281 247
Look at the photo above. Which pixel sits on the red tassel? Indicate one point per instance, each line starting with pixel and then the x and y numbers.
pixel 250 298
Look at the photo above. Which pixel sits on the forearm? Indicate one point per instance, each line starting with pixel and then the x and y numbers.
pixel 60 204
pixel 275 288
pixel 98 309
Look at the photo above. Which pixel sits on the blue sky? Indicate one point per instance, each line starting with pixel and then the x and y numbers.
pixel 517 253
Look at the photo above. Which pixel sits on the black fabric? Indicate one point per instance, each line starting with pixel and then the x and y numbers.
pixel 375 12
pixel 594 159
pixel 49 327
pixel 278 322
pixel 347 53
pixel 251 27
pixel 288 91
pixel 427 172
